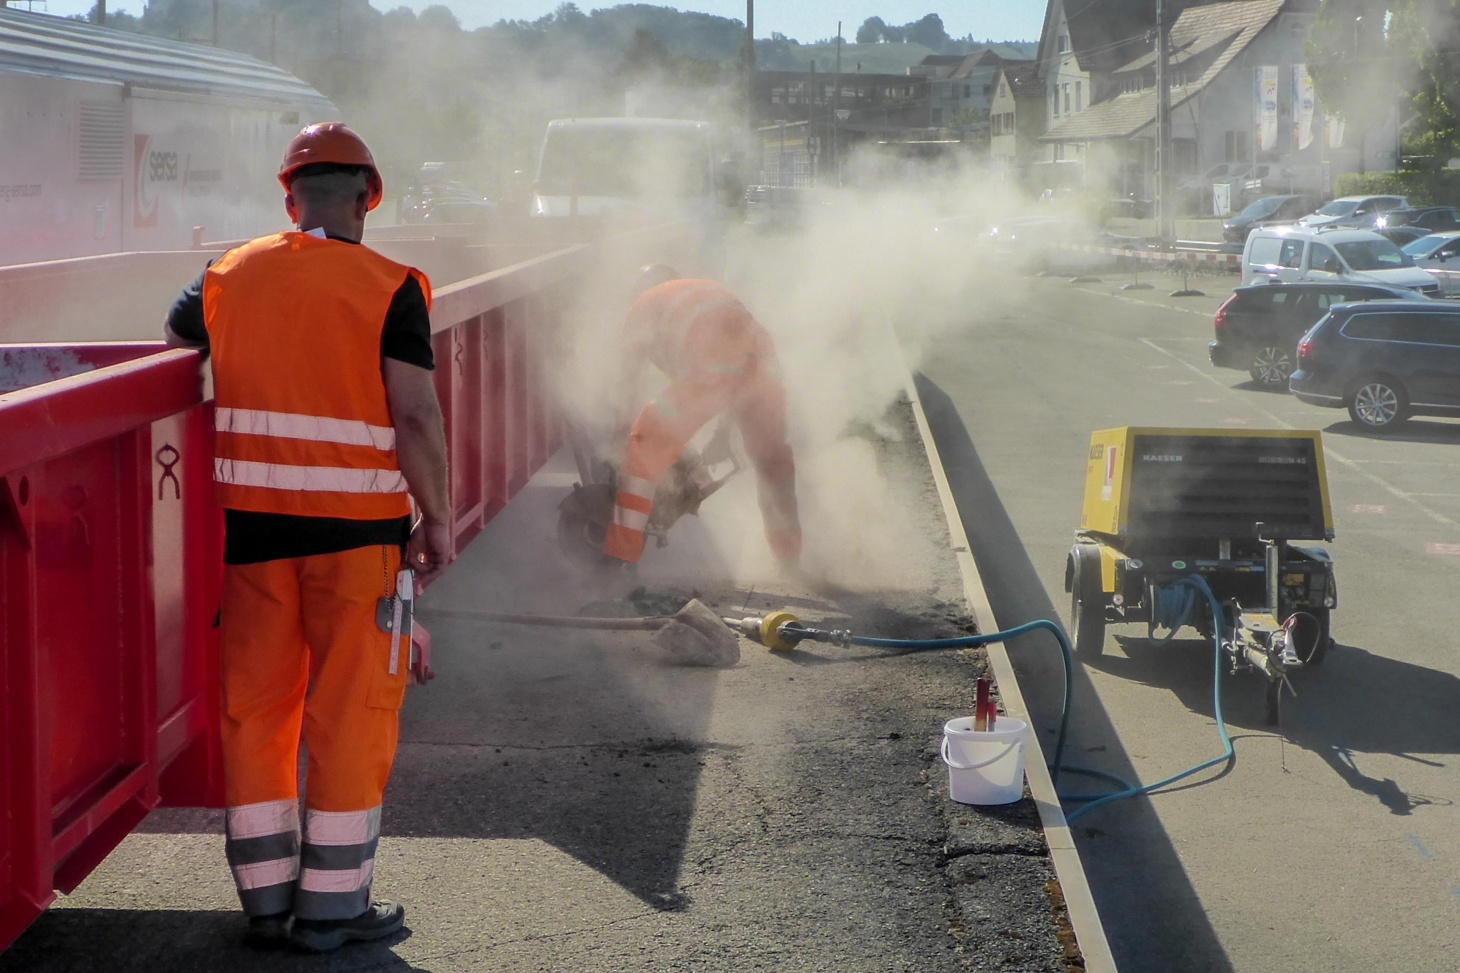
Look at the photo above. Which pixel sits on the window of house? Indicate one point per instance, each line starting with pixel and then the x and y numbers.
pixel 1055 99
pixel 1064 43
pixel 1077 96
pixel 968 91
pixel 1067 97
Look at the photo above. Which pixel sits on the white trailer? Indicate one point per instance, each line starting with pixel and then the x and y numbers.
pixel 112 141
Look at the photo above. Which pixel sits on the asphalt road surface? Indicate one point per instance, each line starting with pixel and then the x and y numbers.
pixel 1331 841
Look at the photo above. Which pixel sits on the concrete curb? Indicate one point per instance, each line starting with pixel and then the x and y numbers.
pixel 1079 902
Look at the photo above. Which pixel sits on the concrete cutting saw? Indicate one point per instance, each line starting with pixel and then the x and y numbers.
pixel 585 513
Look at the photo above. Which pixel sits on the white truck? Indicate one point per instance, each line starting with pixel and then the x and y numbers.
pixel 114 141
pixel 640 167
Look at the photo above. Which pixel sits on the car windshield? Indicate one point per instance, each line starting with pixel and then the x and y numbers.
pixel 1339 207
pixel 1261 208
pixel 1373 255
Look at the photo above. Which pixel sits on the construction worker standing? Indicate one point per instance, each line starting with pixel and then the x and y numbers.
pixel 718 359
pixel 327 423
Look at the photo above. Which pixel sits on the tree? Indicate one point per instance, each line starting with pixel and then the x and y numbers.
pixel 1426 33
pixel 439 17
pixel 871 31
pixel 928 32
pixel 1348 56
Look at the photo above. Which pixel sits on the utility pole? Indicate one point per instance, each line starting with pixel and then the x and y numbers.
pixel 215 22
pixel 750 65
pixel 1165 208
pixel 836 94
pixel 101 12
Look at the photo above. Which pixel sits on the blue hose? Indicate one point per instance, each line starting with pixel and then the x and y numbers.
pixel 1199 585
pixel 1175 606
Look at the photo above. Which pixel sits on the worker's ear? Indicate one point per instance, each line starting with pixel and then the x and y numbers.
pixel 291 209
pixel 362 207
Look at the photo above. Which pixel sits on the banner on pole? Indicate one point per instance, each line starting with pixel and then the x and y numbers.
pixel 1267 113
pixel 1303 107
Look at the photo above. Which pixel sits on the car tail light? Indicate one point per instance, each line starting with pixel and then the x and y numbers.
pixel 1220 321
pixel 1305 349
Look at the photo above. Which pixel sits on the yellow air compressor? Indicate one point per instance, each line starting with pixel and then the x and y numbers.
pixel 1170 514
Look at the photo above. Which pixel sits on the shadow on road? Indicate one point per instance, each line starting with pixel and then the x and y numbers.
pixel 113 939
pixel 1409 431
pixel 1333 714
pixel 1152 917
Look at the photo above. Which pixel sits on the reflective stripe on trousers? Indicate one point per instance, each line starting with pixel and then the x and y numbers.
pixel 337 862
pixel 262 846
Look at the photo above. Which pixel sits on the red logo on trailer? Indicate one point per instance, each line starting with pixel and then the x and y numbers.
pixel 144 194
pixel 1105 488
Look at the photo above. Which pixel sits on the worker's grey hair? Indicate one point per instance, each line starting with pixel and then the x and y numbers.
pixel 334 187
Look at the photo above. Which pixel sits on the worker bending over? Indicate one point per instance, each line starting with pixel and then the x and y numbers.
pixel 718 359
pixel 325 418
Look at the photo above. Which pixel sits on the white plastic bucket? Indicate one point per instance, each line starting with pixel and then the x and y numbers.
pixel 985 766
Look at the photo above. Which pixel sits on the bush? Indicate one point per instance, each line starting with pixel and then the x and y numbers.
pixel 1438 187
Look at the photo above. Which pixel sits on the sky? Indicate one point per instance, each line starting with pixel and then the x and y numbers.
pixel 802 20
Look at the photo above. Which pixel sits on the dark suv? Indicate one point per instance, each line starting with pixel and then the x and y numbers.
pixel 1259 325
pixel 1267 211
pixel 1384 360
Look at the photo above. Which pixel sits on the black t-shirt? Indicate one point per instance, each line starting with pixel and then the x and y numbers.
pixel 251 537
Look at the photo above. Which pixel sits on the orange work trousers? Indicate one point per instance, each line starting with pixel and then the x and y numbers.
pixel 666 425
pixel 304 657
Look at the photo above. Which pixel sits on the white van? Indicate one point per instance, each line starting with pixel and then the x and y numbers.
pixel 641 166
pixel 1289 253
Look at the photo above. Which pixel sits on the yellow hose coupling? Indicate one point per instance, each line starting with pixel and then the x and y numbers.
pixel 770 627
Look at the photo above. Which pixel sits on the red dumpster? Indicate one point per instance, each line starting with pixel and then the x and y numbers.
pixel 99 689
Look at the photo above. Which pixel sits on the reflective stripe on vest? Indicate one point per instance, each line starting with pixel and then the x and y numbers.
pixel 319 429
pixel 317 479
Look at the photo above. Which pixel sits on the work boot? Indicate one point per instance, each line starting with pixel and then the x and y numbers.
pixel 267 932
pixel 382 919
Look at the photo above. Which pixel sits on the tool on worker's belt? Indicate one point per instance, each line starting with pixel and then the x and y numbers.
pixel 1174 515
pixel 401 609
pixel 584 515
pixel 395 615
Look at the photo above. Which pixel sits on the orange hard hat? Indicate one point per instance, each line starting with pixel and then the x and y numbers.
pixel 331 142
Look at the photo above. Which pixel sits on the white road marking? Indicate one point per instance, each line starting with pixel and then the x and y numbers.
pixel 1329 454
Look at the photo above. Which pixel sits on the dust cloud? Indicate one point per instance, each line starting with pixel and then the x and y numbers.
pixel 854 295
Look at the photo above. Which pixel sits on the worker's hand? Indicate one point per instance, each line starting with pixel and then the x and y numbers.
pixel 429 552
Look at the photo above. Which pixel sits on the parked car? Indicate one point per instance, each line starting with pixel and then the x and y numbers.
pixel 1258 327
pixel 776 207
pixel 1439 255
pixel 1405 225
pixel 1290 253
pixel 1267 211
pixel 1353 211
pixel 1383 360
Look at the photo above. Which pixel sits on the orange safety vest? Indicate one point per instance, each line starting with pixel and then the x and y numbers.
pixel 688 324
pixel 303 427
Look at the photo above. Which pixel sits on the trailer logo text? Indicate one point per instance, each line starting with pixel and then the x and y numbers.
pixel 156 169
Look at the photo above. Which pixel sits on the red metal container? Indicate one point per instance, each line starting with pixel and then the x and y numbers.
pixel 110 554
